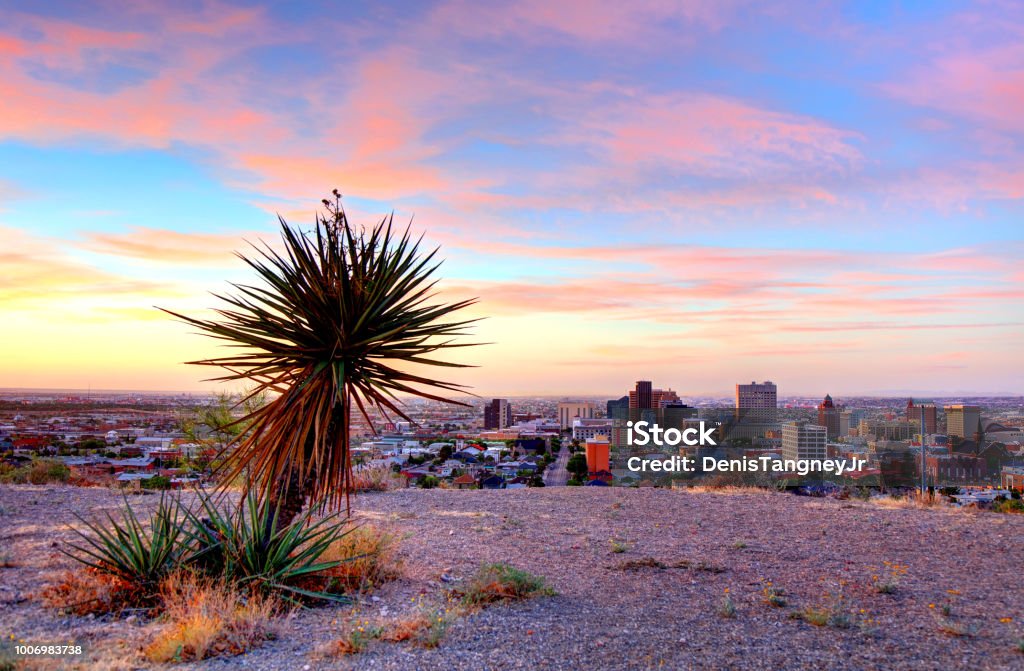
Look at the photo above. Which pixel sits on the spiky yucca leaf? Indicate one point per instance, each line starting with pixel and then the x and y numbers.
pixel 137 553
pixel 245 545
pixel 339 320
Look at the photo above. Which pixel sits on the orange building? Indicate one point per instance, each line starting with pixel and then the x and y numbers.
pixel 598 457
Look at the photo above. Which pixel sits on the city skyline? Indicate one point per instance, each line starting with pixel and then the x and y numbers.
pixel 714 192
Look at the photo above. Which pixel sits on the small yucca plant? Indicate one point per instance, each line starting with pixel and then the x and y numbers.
pixel 241 544
pixel 248 547
pixel 139 554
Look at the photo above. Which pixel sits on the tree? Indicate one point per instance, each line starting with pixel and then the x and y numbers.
pixel 341 316
pixel 577 466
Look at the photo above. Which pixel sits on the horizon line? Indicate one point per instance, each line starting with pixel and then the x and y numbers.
pixel 896 393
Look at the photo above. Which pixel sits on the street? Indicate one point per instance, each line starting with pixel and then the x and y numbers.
pixel 556 475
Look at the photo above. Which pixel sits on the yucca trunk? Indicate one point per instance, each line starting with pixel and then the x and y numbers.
pixel 293 491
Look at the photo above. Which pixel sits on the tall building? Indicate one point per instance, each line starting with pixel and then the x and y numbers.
pixel 914 414
pixel 497 414
pixel 570 410
pixel 962 420
pixel 801 440
pixel 828 417
pixel 641 396
pixel 757 402
pixel 618 408
pixel 644 397
pixel 849 421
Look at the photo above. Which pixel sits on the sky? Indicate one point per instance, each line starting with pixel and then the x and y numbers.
pixel 700 193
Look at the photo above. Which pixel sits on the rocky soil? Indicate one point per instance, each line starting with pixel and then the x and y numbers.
pixel 640 576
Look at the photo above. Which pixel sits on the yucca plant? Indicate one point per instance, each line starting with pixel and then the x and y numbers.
pixel 342 318
pixel 247 546
pixel 139 554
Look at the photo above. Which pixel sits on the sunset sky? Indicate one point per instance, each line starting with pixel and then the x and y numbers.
pixel 827 195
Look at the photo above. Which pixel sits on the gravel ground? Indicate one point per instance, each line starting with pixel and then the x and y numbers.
pixel 605 615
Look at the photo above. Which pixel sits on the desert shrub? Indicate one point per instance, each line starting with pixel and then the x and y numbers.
pixel 38 472
pixel 13 475
pixel 156 482
pixel 205 618
pixel 45 471
pixel 1008 506
pixel 494 583
pixel 365 558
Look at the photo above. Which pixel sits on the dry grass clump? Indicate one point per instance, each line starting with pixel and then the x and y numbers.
pixel 911 500
pixel 772 595
pixel 712 486
pixel 368 557
pixel 409 628
pixel 356 635
pixel 889 579
pixel 425 626
pixel 825 616
pixel 494 583
pixel 206 618
pixel 372 479
pixel 91 592
pixel 428 623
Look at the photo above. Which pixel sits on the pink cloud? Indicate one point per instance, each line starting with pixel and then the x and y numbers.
pixel 720 137
pixel 37 273
pixel 168 246
pixel 985 85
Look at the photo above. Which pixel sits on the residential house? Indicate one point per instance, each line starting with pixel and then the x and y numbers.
pixel 493 482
